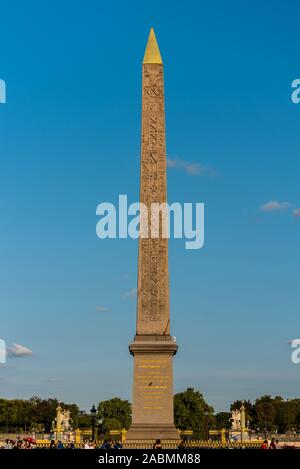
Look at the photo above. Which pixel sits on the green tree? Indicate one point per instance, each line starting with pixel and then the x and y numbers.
pixel 114 414
pixel 190 411
pixel 84 421
pixel 272 413
pixel 297 415
pixel 223 420
pixel 265 413
pixel 35 413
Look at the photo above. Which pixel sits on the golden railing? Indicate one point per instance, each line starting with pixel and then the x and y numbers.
pixel 173 444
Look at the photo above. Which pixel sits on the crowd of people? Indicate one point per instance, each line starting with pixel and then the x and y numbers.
pixel 30 443
pixel 26 443
pixel 273 444
pixel 107 444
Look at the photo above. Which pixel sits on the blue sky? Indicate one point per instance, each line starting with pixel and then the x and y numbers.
pixel 70 138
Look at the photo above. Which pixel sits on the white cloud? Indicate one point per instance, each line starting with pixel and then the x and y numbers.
pixel 126 276
pixel 17 350
pixel 192 169
pixel 274 206
pixel 101 309
pixel 130 293
pixel 296 212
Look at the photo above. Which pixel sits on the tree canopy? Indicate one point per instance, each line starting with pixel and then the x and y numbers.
pixel 191 412
pixel 32 414
pixel 114 414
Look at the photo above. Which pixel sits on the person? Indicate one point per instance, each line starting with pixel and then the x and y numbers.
pixel 118 445
pixel 157 445
pixel 52 444
pixel 273 444
pixel 8 444
pixel 87 445
pixel 106 444
pixel 264 445
pixel 60 445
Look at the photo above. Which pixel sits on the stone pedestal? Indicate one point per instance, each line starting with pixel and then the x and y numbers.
pixel 152 413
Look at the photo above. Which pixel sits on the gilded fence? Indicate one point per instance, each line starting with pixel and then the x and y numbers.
pixel 173 444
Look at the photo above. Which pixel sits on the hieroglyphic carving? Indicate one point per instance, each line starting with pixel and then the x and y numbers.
pixel 153 283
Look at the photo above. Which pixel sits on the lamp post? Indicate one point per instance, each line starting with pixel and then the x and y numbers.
pixel 206 425
pixel 266 430
pixel 93 412
pixel 249 429
pixel 243 421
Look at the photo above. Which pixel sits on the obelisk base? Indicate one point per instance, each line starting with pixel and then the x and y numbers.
pixel 152 413
pixel 151 432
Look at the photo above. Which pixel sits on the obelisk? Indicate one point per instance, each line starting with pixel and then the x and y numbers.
pixel 153 347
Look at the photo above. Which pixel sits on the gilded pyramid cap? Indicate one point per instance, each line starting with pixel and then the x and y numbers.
pixel 152 54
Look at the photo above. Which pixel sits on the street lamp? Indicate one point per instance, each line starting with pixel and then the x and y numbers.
pixel 93 412
pixel 266 430
pixel 243 421
pixel 249 429
pixel 206 425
